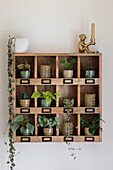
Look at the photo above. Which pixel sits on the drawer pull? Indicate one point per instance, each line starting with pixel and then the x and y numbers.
pixel 46 139
pixel 24 81
pixel 24 110
pixel 46 110
pixel 89 139
pixel 70 139
pixel 91 110
pixel 89 81
pixel 46 81
pixel 68 109
pixel 67 81
pixel 25 139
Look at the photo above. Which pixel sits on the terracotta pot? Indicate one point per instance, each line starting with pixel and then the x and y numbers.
pixel 45 71
pixel 25 74
pixel 67 102
pixel 47 131
pixel 68 73
pixel 44 103
pixel 65 127
pixel 24 102
pixel 86 131
pixel 90 74
pixel 90 100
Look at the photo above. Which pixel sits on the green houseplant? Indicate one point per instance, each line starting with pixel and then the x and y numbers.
pixel 68 101
pixel 68 73
pixel 21 122
pixel 89 73
pixel 25 70
pixel 91 128
pixel 25 101
pixel 48 124
pixel 46 96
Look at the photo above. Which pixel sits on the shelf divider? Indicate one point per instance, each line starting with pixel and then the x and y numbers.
pixel 57 89
pixel 78 95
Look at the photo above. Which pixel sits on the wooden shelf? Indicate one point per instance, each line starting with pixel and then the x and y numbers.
pixel 75 87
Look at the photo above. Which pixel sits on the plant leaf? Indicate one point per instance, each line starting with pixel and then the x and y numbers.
pixel 73 60
pixel 48 99
pixel 57 94
pixel 36 95
pixel 16 126
pixel 66 64
pixel 19 118
pixel 62 61
pixel 22 129
pixel 69 60
pixel 30 127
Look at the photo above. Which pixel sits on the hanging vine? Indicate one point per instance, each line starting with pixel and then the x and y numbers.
pixel 11 148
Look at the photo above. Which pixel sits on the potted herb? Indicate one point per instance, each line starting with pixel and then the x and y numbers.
pixel 46 96
pixel 48 124
pixel 25 70
pixel 21 122
pixel 68 102
pixel 90 128
pixel 25 101
pixel 68 73
pixel 89 73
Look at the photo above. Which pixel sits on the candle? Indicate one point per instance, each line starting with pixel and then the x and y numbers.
pixel 93 32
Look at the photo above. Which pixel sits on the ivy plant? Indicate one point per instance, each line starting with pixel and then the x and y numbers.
pixel 48 96
pixel 68 63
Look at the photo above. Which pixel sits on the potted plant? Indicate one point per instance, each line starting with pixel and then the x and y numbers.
pixel 68 102
pixel 68 73
pixel 25 70
pixel 91 128
pixel 21 122
pixel 46 96
pixel 25 101
pixel 48 124
pixel 89 73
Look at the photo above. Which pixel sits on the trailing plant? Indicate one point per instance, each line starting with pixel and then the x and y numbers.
pixel 48 96
pixel 89 66
pixel 70 147
pixel 70 101
pixel 22 123
pixel 93 126
pixel 48 122
pixel 24 67
pixel 68 63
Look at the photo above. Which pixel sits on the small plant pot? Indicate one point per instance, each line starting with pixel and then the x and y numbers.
pixel 67 102
pixel 89 73
pixel 68 73
pixel 25 74
pixel 45 71
pixel 44 103
pixel 47 131
pixel 24 102
pixel 26 132
pixel 86 131
pixel 65 127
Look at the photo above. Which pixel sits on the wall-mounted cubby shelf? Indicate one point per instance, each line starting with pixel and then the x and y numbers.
pixel 75 88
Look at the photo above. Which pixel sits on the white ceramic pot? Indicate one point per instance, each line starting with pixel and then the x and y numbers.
pixel 20 45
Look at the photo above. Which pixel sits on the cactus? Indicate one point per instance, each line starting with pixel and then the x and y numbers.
pixel 24 96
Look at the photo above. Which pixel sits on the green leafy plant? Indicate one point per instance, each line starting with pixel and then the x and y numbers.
pixel 68 63
pixel 89 66
pixel 22 123
pixel 48 122
pixel 25 96
pixel 93 126
pixel 48 96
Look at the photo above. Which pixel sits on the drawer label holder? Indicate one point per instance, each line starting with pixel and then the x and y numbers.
pixel 24 81
pixel 25 139
pixel 68 109
pixel 46 110
pixel 46 139
pixel 89 139
pixel 67 81
pixel 25 110
pixel 69 139
pixel 89 81
pixel 46 81
pixel 90 110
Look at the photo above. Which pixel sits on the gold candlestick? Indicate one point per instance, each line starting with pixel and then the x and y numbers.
pixel 92 33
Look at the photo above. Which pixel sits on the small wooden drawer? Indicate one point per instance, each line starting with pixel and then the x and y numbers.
pixel 70 139
pixel 46 81
pixel 46 139
pixel 68 109
pixel 25 110
pixel 67 81
pixel 89 81
pixel 89 139
pixel 46 110
pixel 25 139
pixel 24 81
pixel 90 110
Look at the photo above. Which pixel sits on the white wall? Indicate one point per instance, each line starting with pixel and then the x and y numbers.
pixel 54 26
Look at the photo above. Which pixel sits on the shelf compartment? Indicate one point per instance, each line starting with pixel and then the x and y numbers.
pixel 87 89
pixel 67 91
pixel 31 118
pixel 62 67
pixel 23 60
pixel 43 88
pixel 40 129
pixel 84 60
pixel 89 118
pixel 24 89
pixel 46 60
pixel 73 118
